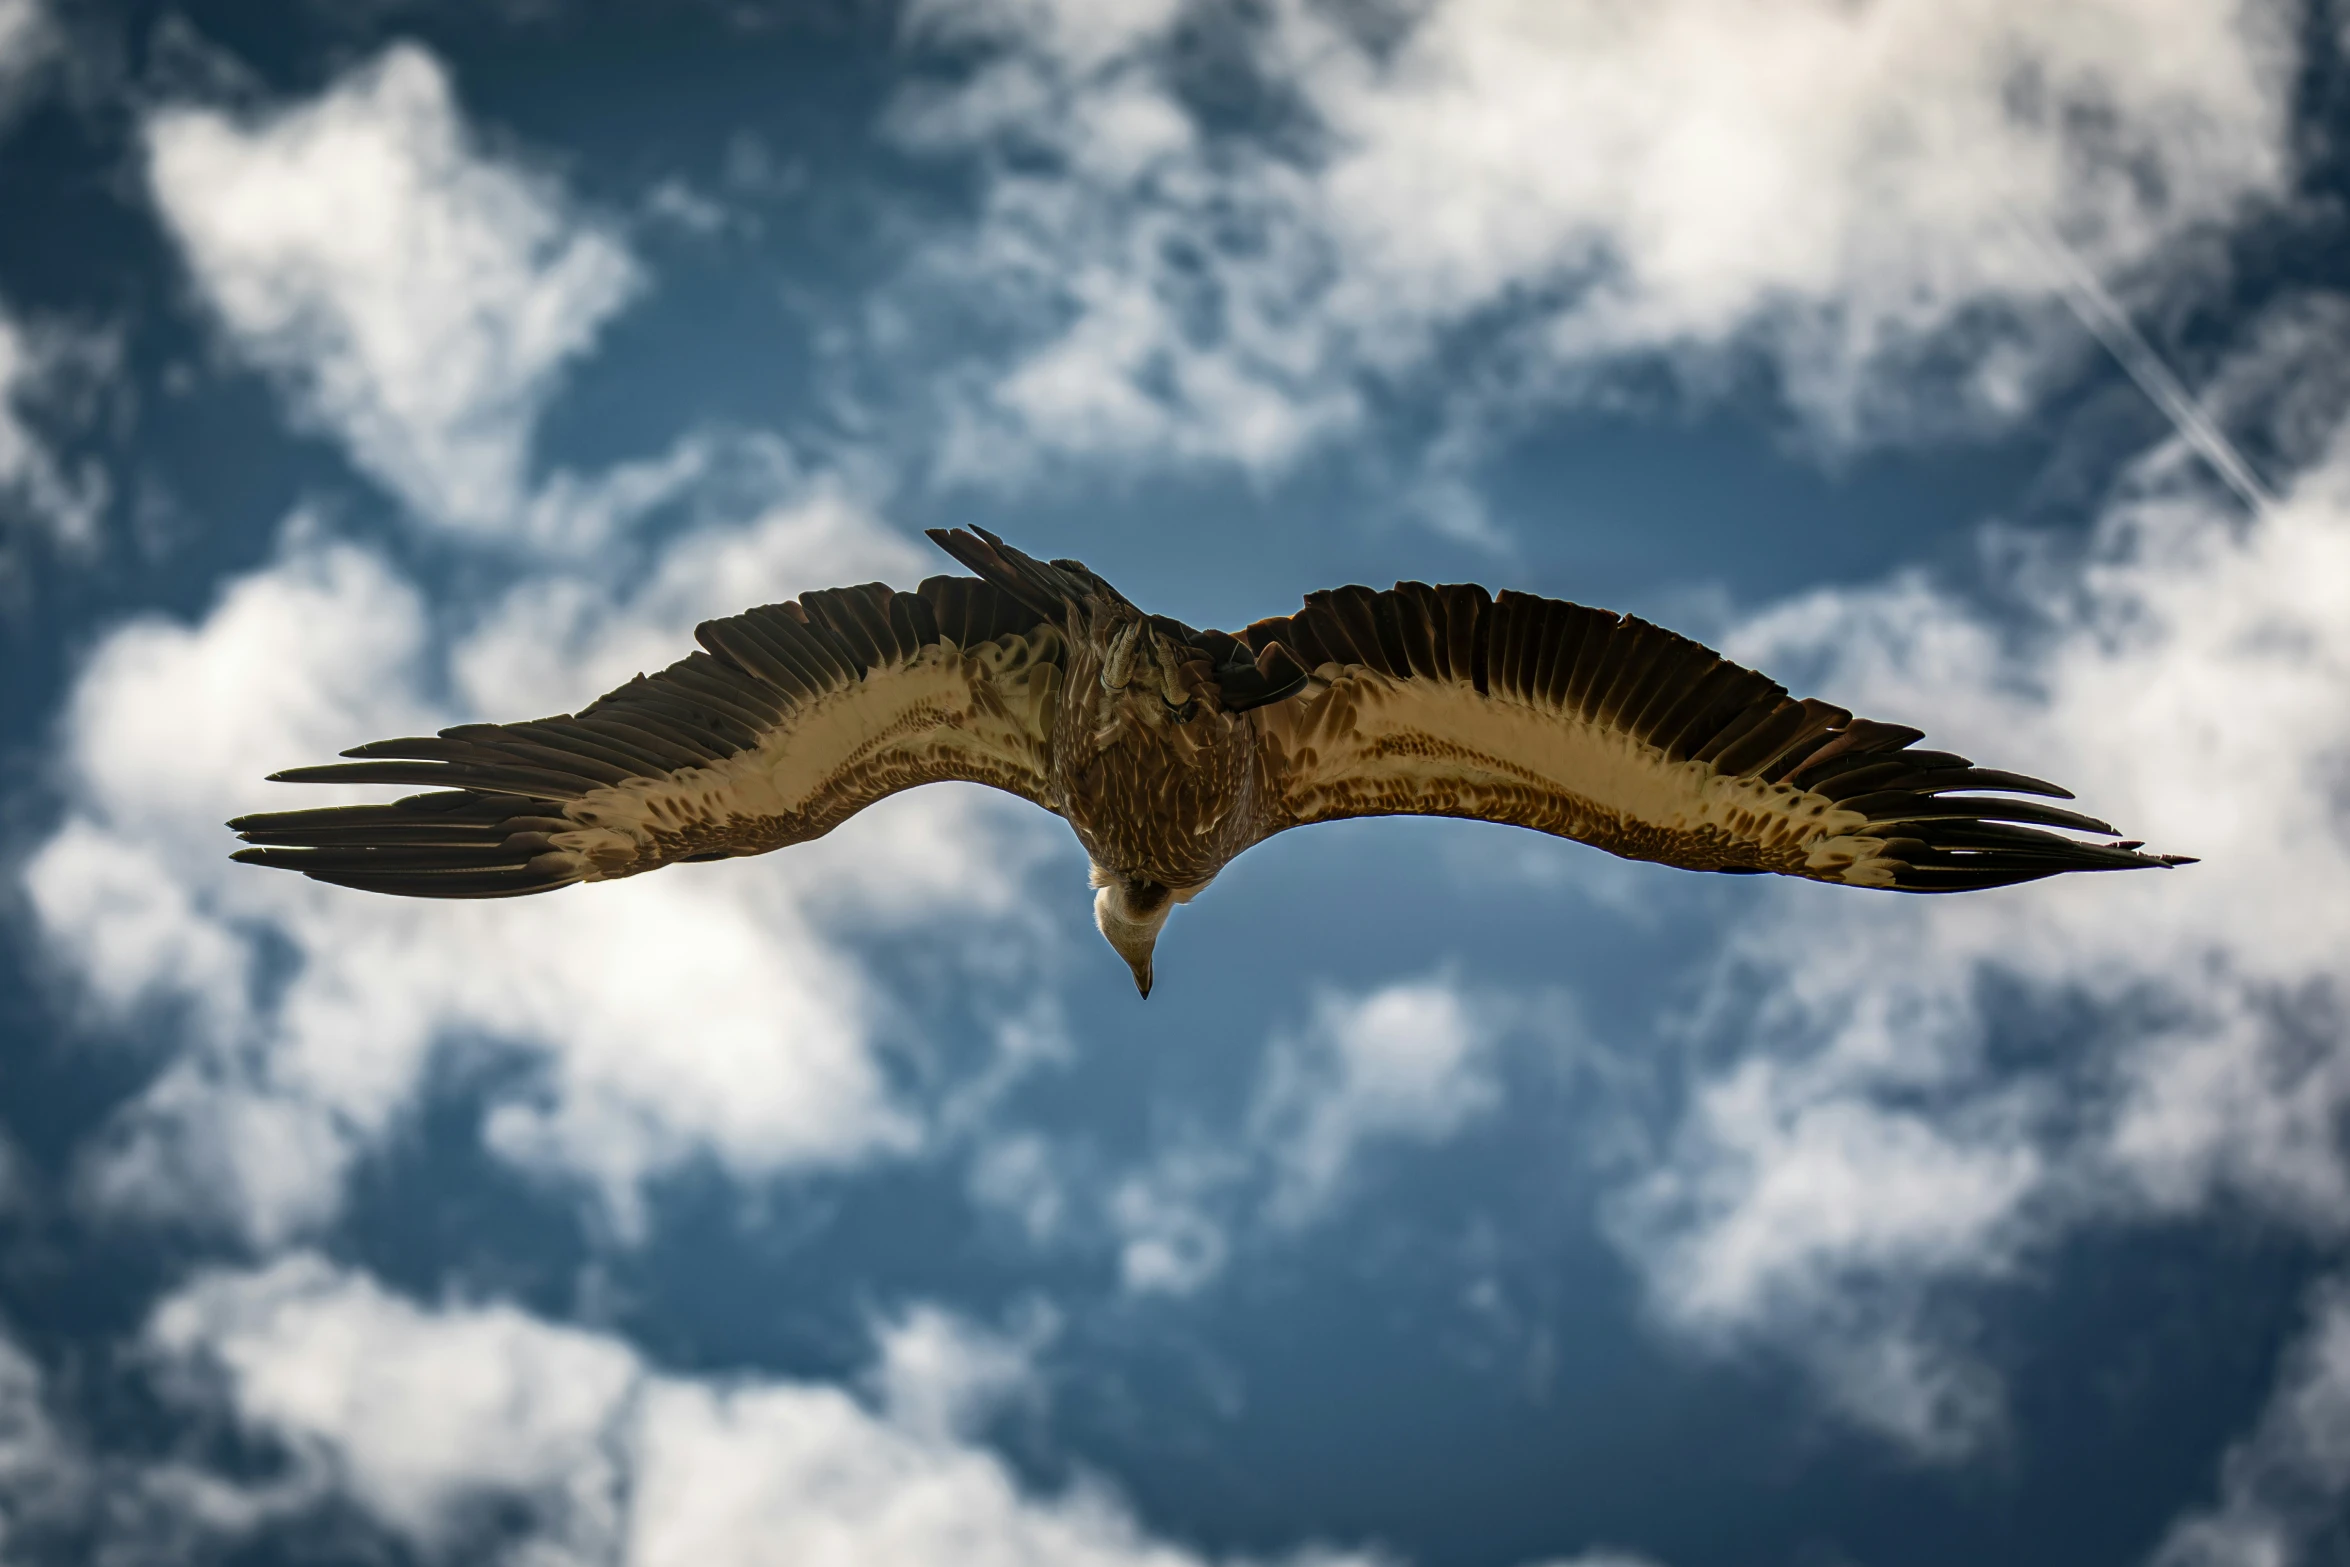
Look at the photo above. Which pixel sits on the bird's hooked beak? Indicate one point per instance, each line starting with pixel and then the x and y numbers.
pixel 1130 916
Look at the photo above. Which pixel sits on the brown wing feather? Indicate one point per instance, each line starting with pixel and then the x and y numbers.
pixel 791 719
pixel 1445 701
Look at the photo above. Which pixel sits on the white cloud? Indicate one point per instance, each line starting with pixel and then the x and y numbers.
pixel 678 202
pixel 27 39
pixel 45 1477
pixel 1791 1207
pixel 939 1375
pixel 1837 186
pixel 1411 1062
pixel 1172 1217
pixel 66 500
pixel 1015 1174
pixel 415 296
pixel 695 1014
pixel 413 1412
pixel 2282 1487
pixel 424 1415
pixel 21 25
pixel 1867 1147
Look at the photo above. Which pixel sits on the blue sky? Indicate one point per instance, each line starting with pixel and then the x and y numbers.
pixel 1460 1197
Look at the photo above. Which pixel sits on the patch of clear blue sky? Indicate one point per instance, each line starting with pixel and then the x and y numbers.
pixel 1336 1385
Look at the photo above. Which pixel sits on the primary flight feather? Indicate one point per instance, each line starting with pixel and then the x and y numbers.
pixel 1170 750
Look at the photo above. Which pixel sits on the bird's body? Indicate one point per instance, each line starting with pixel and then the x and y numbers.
pixel 1161 784
pixel 1170 751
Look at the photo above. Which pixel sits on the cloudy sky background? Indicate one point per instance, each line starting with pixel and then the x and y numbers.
pixel 1460 1197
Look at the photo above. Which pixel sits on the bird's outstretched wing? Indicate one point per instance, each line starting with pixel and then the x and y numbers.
pixel 793 718
pixel 1445 701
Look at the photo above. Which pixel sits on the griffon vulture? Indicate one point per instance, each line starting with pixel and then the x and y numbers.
pixel 1171 750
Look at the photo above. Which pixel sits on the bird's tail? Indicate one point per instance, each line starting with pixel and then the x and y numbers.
pixel 1053 589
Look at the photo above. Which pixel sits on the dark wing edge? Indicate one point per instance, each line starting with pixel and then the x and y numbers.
pixel 527 807
pixel 1934 821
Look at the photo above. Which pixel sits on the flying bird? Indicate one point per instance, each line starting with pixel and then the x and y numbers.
pixel 1170 750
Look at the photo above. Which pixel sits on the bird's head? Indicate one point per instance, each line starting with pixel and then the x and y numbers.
pixel 1130 915
pixel 1151 665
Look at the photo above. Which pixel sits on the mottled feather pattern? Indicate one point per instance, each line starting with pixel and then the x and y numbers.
pixel 1167 804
